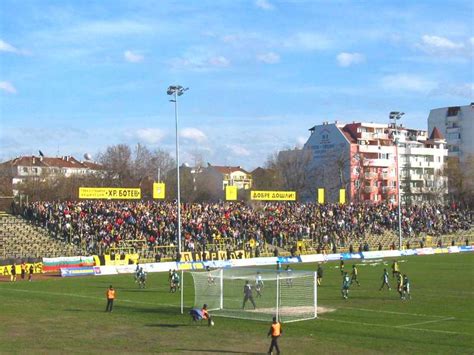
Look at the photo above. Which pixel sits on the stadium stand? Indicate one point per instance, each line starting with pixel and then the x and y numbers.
pixel 262 229
pixel 22 240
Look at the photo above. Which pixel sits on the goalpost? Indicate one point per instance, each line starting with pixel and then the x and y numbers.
pixel 289 295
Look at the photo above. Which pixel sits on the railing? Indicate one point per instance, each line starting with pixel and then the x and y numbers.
pixel 370 175
pixel 369 189
pixel 387 176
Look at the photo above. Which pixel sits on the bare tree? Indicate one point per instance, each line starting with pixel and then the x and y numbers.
pixel 461 180
pixel 293 171
pixel 117 163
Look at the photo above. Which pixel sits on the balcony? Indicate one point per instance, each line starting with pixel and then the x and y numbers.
pixel 378 162
pixel 370 175
pixel 387 176
pixel 376 149
pixel 388 189
pixel 369 189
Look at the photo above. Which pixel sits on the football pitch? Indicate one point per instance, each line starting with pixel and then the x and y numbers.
pixel 56 315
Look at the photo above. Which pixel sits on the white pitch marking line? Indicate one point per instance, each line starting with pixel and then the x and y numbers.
pixel 89 297
pixel 393 327
pixel 426 322
pixel 393 312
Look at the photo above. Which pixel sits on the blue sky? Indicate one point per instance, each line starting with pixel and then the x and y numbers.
pixel 77 76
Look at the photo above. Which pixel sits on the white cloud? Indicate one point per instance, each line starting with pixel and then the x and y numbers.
pixel 132 57
pixel 264 5
pixel 442 46
pixel 149 135
pixel 7 47
pixel 268 58
pixel 407 82
pixel 193 134
pixel 307 41
pixel 440 42
pixel 345 59
pixel 7 87
pixel 239 150
pixel 219 61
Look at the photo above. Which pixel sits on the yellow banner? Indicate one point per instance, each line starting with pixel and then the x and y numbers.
pixel 115 260
pixel 214 255
pixel 321 196
pixel 114 193
pixel 342 196
pixel 273 195
pixel 231 193
pixel 159 190
pixel 6 269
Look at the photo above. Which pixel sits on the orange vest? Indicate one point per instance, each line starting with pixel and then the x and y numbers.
pixel 276 329
pixel 110 294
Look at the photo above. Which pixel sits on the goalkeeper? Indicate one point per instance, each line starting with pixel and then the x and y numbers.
pixel 248 295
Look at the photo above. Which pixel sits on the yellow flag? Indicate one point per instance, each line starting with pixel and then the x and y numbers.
pixel 231 193
pixel 158 190
pixel 342 196
pixel 321 196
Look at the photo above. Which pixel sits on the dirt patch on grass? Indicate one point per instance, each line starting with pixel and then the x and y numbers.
pixel 36 277
pixel 293 311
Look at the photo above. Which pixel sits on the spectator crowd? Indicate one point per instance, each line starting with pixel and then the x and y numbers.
pixel 100 225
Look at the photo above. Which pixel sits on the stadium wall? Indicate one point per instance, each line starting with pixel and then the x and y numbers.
pixel 271 261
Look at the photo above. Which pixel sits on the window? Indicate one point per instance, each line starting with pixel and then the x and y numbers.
pixel 453 111
pixel 25 169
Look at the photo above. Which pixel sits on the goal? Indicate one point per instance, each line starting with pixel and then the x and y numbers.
pixel 289 295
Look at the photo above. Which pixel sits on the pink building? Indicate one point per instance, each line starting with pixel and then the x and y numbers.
pixel 362 158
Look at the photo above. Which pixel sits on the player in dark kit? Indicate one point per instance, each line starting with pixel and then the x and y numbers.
pixel 341 266
pixel 319 275
pixel 248 295
pixel 354 275
pixel 13 273
pixel 23 270
pixel 385 280
pixel 30 276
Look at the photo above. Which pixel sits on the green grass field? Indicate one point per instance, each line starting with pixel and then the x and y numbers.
pixel 67 315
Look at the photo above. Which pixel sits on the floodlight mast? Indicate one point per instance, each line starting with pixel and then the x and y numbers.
pixel 175 91
pixel 178 90
pixel 395 115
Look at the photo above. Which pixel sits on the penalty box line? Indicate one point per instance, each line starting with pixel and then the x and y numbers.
pixel 88 297
pixel 426 322
pixel 394 312
pixel 393 327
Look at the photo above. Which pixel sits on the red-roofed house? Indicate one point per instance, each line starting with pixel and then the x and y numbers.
pixel 26 167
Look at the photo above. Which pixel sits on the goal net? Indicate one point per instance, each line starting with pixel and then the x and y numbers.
pixel 257 294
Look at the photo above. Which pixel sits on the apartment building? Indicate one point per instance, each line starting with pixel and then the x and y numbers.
pixel 362 158
pixel 456 124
